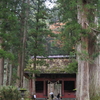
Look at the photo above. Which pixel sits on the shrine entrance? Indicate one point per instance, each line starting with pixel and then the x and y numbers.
pixel 62 83
pixel 54 87
pixel 56 83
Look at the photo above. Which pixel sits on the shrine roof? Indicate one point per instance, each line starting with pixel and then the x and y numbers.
pixel 54 56
pixel 54 64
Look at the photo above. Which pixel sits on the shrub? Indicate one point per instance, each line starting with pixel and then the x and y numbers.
pixel 95 98
pixel 9 93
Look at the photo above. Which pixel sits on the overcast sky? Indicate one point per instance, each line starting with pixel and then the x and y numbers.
pixel 49 4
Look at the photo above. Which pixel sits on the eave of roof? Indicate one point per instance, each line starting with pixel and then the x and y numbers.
pixel 54 57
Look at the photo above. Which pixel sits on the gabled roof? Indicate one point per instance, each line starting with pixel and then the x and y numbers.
pixel 54 63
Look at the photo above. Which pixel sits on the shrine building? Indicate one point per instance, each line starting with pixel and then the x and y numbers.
pixel 54 79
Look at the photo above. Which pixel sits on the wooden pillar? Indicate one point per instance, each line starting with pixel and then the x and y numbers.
pixel 75 84
pixel 30 86
pixel 44 90
pixel 62 89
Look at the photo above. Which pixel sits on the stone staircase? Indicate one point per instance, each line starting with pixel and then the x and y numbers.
pixel 57 99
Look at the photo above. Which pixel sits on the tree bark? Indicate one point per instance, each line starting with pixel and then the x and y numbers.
pixel 82 78
pixel 78 81
pixel 88 79
pixel 23 21
pixel 33 84
pixel 83 63
pixel 24 31
pixel 7 73
pixel 10 74
pixel 1 71
pixel 18 81
pixel 95 75
pixel 1 65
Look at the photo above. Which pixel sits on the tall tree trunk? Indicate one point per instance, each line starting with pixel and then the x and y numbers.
pixel 23 56
pixel 18 81
pixel 83 63
pixel 10 74
pixel 35 54
pixel 1 70
pixel 82 77
pixel 95 75
pixel 1 65
pixel 79 78
pixel 7 73
pixel 24 31
pixel 33 77
pixel 33 84
pixel 23 21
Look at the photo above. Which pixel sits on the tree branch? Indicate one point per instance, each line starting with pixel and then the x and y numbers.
pixel 92 28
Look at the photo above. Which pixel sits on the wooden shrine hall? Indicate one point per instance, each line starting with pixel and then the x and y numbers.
pixel 54 79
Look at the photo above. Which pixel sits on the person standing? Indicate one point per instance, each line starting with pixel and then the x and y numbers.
pixel 52 95
pixel 34 96
pixel 58 96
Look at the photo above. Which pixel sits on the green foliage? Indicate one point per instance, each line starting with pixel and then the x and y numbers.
pixel 72 32
pixel 69 11
pixel 6 54
pixel 84 55
pixel 95 55
pixel 70 36
pixel 39 62
pixel 12 15
pixel 9 93
pixel 97 97
pixel 72 67
pixel 37 43
pixel 9 28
